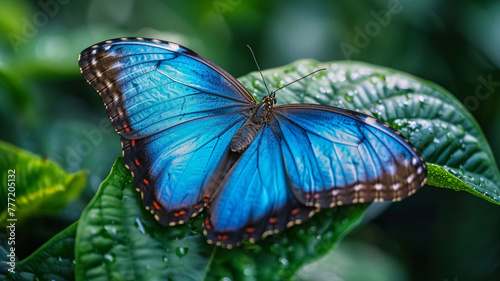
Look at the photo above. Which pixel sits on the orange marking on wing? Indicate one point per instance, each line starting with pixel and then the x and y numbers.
pixel 272 220
pixel 249 229
pixel 207 224
pixel 133 142
pixel 206 198
pixel 222 236
pixel 137 162
pixel 126 127
pixel 157 207
pixel 295 211
pixel 145 181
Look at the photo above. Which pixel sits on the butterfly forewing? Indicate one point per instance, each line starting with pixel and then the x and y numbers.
pixel 334 156
pixel 148 86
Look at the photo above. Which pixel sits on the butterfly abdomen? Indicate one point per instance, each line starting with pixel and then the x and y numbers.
pixel 244 136
pixel 249 130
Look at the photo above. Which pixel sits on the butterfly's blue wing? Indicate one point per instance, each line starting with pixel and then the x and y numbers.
pixel 256 199
pixel 151 85
pixel 334 156
pixel 308 157
pixel 176 113
pixel 173 168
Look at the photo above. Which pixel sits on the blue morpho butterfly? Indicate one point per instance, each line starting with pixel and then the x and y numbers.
pixel 194 138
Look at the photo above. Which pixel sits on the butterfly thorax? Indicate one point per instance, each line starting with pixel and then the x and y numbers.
pixel 259 115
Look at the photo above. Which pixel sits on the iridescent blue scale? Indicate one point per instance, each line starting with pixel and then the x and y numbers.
pixel 178 115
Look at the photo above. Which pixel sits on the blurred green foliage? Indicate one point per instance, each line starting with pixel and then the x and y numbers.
pixel 47 108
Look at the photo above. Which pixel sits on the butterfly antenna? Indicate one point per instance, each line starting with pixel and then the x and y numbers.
pixel 317 70
pixel 255 60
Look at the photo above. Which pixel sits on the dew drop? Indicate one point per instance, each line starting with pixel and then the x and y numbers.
pixel 110 229
pixel 139 226
pixel 341 76
pixel 247 271
pixel 354 76
pixel 283 261
pixel 109 258
pixel 348 97
pixel 285 241
pixel 181 251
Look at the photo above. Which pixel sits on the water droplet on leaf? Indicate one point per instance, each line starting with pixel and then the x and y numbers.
pixel 181 251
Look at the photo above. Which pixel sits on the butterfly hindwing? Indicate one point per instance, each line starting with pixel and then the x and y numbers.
pixel 334 157
pixel 172 168
pixel 256 200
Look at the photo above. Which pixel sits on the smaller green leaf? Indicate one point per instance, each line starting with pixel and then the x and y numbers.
pixel 36 185
pixel 54 260
pixel 459 181
pixel 117 239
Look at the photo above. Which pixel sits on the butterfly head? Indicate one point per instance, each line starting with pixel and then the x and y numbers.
pixel 269 100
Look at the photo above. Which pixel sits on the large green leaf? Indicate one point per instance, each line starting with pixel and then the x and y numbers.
pixel 40 186
pixel 52 261
pixel 117 239
pixel 436 123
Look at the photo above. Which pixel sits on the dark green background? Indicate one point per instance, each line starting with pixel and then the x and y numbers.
pixel 46 106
